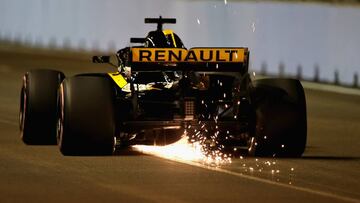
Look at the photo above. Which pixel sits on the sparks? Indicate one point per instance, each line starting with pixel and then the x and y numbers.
pixel 185 151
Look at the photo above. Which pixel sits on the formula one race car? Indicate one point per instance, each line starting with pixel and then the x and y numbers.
pixel 159 91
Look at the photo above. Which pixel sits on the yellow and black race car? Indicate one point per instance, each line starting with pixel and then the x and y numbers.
pixel 160 91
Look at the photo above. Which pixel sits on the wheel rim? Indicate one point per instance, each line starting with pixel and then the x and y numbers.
pixel 60 123
pixel 22 113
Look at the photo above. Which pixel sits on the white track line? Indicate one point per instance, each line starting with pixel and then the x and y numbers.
pixel 323 87
pixel 298 188
pixel 330 88
pixel 9 122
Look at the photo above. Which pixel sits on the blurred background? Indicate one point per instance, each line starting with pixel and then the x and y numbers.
pixel 312 40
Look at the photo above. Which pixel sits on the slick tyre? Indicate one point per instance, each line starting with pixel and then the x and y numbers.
pixel 38 106
pixel 86 124
pixel 281 125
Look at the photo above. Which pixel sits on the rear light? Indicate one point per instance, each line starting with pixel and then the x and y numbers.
pixel 189 109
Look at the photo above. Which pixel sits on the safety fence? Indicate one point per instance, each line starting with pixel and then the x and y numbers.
pixel 318 42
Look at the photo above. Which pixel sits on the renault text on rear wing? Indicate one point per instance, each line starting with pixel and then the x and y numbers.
pixel 204 59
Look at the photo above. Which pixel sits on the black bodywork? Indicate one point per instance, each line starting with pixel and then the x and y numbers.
pixel 212 101
pixel 200 95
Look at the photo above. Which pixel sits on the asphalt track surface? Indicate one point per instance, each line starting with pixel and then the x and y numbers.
pixel 328 172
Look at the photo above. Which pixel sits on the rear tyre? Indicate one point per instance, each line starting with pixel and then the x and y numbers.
pixel 281 126
pixel 86 124
pixel 38 106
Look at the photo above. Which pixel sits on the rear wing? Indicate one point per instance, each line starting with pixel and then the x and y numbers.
pixel 160 21
pixel 227 59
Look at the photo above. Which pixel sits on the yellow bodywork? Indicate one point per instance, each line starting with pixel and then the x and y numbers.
pixel 170 32
pixel 118 79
